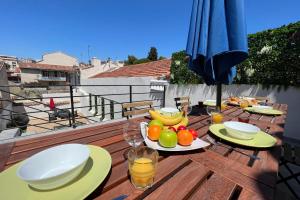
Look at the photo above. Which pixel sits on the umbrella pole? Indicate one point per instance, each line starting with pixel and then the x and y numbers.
pixel 219 95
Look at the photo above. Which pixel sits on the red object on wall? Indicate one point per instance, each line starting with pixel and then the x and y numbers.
pixel 51 104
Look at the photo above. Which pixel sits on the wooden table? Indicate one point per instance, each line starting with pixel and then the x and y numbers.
pixel 218 172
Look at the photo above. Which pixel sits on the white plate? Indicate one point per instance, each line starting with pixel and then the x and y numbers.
pixel 197 144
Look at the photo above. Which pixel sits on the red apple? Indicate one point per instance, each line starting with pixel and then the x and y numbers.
pixel 172 128
pixel 194 133
pixel 181 127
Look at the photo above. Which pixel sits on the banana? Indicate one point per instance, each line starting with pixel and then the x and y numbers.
pixel 184 122
pixel 166 120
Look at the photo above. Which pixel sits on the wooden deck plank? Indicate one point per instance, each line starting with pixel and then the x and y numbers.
pixel 199 171
pixel 249 195
pixel 5 150
pixel 216 187
pixel 238 173
pixel 182 185
pixel 167 168
pixel 68 133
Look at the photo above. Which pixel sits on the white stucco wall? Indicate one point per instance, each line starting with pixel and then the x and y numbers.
pixel 30 75
pixel 101 90
pixel 290 96
pixel 4 95
pixel 59 58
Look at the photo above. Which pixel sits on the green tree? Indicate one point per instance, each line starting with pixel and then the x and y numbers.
pixel 130 60
pixel 273 57
pixel 152 55
pixel 161 58
pixel 142 60
pixel 180 73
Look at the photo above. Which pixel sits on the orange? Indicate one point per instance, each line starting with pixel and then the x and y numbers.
pixel 154 132
pixel 185 138
pixel 244 104
pixel 223 106
pixel 217 118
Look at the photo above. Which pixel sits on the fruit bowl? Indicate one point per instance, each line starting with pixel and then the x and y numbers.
pixel 196 144
pixel 54 167
pixel 241 130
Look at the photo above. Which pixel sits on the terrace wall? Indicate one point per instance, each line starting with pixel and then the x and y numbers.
pixel 197 92
pixel 4 95
pixel 201 92
pixel 101 90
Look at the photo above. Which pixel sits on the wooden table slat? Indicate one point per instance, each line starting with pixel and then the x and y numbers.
pixel 216 172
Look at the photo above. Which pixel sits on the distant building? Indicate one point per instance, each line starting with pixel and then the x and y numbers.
pixel 55 68
pixel 156 69
pixel 48 75
pixel 97 66
pixel 5 106
pixel 59 58
pixel 12 67
pixel 27 60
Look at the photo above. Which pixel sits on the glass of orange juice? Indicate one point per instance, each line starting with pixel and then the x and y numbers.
pixel 244 104
pixel 142 163
pixel 216 117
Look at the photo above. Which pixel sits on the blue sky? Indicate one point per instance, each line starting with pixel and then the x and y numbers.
pixel 115 28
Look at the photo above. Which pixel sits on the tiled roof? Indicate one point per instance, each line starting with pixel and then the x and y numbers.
pixel 46 67
pixel 155 68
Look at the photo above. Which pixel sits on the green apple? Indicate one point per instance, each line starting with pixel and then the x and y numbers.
pixel 156 122
pixel 168 138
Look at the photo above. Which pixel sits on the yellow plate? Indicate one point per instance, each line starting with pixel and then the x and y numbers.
pixel 261 139
pixel 264 111
pixel 95 171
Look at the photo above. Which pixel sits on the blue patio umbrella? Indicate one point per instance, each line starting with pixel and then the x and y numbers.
pixel 217 40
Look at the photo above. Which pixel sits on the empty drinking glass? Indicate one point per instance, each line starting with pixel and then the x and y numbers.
pixel 132 133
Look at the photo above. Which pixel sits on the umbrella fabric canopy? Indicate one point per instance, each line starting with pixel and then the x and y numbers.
pixel 217 39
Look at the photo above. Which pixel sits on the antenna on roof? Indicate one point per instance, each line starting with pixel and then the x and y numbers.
pixel 89 58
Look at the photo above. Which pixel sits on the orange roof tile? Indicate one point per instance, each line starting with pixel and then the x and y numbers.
pixel 46 67
pixel 155 68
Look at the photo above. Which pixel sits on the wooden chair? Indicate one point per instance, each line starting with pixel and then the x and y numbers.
pixel 136 108
pixel 181 101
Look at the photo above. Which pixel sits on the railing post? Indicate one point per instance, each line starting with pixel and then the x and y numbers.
pixel 72 106
pixel 112 110
pixel 130 95
pixel 90 101
pixel 164 101
pixel 102 108
pixel 96 105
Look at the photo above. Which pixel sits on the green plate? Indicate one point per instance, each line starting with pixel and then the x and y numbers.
pixel 93 174
pixel 211 102
pixel 264 111
pixel 261 139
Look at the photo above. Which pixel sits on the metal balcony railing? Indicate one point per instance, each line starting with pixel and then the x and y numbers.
pixel 51 78
pixel 100 105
